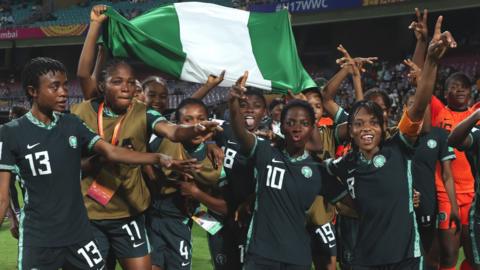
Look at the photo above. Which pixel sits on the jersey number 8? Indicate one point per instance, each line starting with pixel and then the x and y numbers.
pixel 43 160
pixel 229 158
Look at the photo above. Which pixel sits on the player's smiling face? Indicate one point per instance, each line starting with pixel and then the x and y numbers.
pixel 193 114
pixel 52 92
pixel 458 95
pixel 297 127
pixel 156 96
pixel 119 88
pixel 366 132
pixel 253 110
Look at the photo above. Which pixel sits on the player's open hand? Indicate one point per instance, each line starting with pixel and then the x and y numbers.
pixel 420 27
pixel 238 90
pixel 440 42
pixel 185 167
pixel 98 13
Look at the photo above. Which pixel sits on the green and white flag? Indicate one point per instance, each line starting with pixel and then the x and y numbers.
pixel 192 40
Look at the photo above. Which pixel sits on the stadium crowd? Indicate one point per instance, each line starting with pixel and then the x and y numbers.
pixel 360 171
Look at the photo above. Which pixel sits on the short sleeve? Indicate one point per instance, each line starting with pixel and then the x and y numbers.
pixel 341 116
pixel 445 152
pixel 7 158
pixel 475 135
pixel 336 167
pixel 87 138
pixel 153 117
pixel 436 105
pixel 332 189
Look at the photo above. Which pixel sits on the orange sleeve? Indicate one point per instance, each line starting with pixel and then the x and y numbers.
pixel 408 127
pixel 436 106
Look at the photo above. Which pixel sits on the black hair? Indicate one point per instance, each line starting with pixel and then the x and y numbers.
pixel 18 111
pixel 251 91
pixel 274 103
pixel 371 108
pixel 377 92
pixel 156 79
pixel 460 77
pixel 296 103
pixel 189 101
pixel 109 68
pixel 36 68
pixel 407 96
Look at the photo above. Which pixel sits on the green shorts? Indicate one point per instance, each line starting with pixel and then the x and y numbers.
pixel 83 255
pixel 127 237
pixel 171 242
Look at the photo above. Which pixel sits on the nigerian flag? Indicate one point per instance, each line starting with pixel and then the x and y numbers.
pixel 192 40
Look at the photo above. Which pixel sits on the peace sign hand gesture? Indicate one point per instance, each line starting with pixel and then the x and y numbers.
pixel 440 42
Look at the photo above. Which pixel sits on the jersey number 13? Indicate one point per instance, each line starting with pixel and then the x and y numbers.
pixel 39 163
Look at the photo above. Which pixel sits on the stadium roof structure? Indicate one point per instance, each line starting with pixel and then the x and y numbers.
pixel 383 8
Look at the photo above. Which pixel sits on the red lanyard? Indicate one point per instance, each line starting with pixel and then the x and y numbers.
pixel 116 130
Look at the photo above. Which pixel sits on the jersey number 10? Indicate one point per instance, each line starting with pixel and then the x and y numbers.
pixel 275 177
pixel 43 160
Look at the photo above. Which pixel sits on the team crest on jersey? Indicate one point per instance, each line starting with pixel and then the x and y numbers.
pixel 72 140
pixel 432 143
pixel 306 171
pixel 379 161
pixel 221 259
pixel 442 216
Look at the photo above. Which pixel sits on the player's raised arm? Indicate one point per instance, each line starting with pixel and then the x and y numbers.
pixel 212 82
pixel 4 193
pixel 459 138
pixel 127 156
pixel 179 133
pixel 412 120
pixel 86 71
pixel 237 93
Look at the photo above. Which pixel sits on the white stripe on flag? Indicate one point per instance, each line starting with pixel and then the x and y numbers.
pixel 217 38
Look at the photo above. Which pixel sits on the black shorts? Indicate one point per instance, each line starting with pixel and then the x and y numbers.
pixel 255 262
pixel 347 232
pixel 407 264
pixel 127 237
pixel 171 242
pixel 83 255
pixel 226 253
pixel 474 230
pixel 323 240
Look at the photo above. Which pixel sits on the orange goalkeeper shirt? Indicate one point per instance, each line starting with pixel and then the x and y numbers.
pixel 445 118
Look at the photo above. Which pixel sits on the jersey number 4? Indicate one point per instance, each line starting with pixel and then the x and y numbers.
pixel 275 177
pixel 43 161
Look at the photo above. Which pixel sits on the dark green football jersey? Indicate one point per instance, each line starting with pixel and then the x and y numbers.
pixel 47 158
pixel 285 190
pixel 238 168
pixel 382 190
pixel 473 156
pixel 432 147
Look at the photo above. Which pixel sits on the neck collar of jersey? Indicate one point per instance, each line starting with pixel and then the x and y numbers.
pixel 296 159
pixel 197 149
pixel 39 123
pixel 107 112
pixel 363 159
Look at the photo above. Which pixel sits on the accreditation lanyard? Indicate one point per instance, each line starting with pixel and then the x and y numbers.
pixel 116 130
